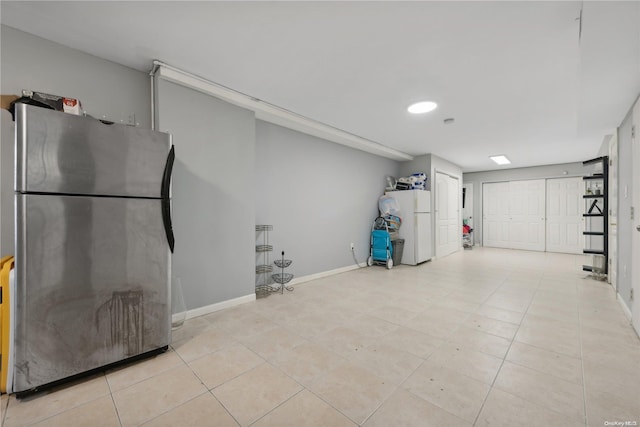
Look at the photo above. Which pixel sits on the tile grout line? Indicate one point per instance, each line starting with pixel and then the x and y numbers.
pixel 584 421
pixel 542 289
pixel 144 379
pixel 396 387
pixel 345 360
pixel 113 400
pixel 174 408
pixel 504 359
pixel 584 380
pixel 276 407
pixel 399 386
pixel 68 409
pixel 210 391
pixel 267 361
pixel 377 408
pixel 167 411
pixel 224 407
pixel 155 375
pixel 5 410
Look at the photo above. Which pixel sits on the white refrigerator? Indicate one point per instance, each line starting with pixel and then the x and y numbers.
pixel 415 211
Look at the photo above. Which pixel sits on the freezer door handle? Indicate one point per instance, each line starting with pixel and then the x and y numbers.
pixel 166 201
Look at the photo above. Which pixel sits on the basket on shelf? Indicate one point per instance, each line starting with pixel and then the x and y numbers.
pixel 282 278
pixel 282 263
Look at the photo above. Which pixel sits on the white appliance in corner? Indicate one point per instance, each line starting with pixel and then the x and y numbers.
pixel 415 211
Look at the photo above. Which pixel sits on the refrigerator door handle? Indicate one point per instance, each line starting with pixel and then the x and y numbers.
pixel 166 201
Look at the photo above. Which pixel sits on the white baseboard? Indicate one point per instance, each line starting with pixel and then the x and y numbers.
pixel 625 309
pixel 310 277
pixel 208 309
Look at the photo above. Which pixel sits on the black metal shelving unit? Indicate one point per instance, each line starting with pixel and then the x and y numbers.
pixel 597 206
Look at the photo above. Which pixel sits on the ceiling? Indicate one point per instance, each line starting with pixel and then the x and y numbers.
pixel 525 79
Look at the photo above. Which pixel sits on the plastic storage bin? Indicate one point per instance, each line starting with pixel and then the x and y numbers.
pixel 398 246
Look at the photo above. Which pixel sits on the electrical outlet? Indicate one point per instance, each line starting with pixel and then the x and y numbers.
pixel 352 245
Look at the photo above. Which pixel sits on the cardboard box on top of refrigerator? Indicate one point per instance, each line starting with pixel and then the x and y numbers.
pixel 56 102
pixel 6 100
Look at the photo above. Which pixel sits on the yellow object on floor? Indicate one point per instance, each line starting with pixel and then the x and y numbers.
pixel 6 264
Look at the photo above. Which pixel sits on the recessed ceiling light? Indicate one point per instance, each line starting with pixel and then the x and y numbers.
pixel 501 160
pixel 422 107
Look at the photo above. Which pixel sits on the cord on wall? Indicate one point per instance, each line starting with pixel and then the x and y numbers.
pixel 353 252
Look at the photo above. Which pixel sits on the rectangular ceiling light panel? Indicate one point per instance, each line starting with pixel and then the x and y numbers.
pixel 501 160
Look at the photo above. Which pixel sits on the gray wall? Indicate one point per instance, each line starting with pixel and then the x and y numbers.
pixel 213 194
pixel 430 164
pixel 6 185
pixel 418 164
pixel 318 195
pixel 625 224
pixel 105 89
pixel 516 174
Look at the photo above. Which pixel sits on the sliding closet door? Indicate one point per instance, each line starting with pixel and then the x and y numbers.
pixel 564 215
pixel 495 218
pixel 514 215
pixel 527 214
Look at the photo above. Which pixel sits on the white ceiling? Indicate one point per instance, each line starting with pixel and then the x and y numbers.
pixel 514 75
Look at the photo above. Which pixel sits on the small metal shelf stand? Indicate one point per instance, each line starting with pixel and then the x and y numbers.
pixel 263 249
pixel 282 278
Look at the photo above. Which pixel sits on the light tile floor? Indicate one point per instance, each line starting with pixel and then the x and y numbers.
pixel 485 337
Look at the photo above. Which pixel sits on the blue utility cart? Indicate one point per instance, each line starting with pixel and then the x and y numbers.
pixel 381 247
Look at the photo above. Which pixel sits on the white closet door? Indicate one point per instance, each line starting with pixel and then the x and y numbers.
pixel 514 215
pixel 495 218
pixel 527 213
pixel 613 211
pixel 564 215
pixel 448 222
pixel 635 231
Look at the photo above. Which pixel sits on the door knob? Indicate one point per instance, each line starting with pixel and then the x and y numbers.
pixel 638 227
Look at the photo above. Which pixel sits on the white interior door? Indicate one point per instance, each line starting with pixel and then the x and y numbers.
pixel 613 210
pixel 635 249
pixel 455 215
pixel 564 215
pixel 448 222
pixel 495 216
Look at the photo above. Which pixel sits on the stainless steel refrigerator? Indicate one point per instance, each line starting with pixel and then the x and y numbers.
pixel 93 245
